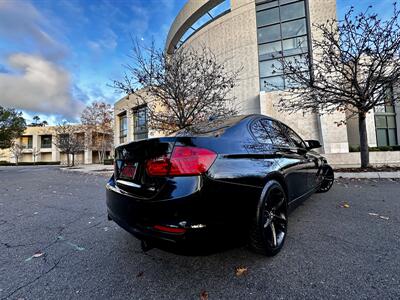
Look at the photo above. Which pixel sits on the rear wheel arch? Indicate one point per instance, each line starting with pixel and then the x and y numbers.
pixel 280 179
pixel 266 211
pixel 270 180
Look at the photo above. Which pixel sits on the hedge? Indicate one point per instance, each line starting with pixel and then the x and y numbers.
pixel 376 149
pixel 25 163
pixel 108 161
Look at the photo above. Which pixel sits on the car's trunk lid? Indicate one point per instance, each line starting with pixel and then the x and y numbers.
pixel 130 166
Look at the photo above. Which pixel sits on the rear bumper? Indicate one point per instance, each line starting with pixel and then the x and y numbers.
pixel 140 216
pixel 208 210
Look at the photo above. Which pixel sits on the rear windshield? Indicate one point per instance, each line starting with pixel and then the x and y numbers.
pixel 215 127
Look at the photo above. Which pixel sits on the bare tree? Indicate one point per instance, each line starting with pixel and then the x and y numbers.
pixel 354 62
pixel 69 141
pixel 98 116
pixel 180 89
pixel 16 150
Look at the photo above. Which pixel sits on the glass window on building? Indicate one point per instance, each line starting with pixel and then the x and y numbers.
pixel 140 130
pixel 64 138
pixel 45 141
pixel 123 128
pixel 282 33
pixel 26 141
pixel 208 16
pixel 385 122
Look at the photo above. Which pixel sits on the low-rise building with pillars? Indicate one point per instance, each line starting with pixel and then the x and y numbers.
pixel 39 146
pixel 251 34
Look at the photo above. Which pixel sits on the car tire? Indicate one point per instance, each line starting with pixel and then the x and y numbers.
pixel 269 226
pixel 328 177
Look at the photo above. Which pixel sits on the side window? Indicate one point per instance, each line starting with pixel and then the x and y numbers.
pixel 277 133
pixel 296 139
pixel 260 132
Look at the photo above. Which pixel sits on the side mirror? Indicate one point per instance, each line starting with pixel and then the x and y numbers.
pixel 313 144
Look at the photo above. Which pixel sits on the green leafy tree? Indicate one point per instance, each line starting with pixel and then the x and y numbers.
pixel 12 125
pixel 36 119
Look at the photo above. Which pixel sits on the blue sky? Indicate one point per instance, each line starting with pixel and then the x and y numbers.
pixel 58 55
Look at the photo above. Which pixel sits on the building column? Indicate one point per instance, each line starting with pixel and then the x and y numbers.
pixel 55 154
pixel 371 129
pixel 129 122
pixel 35 146
pixel 334 137
pixel 87 155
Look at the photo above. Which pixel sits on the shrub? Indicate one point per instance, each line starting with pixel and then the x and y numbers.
pixel 354 148
pixel 108 161
pixel 375 149
pixel 29 163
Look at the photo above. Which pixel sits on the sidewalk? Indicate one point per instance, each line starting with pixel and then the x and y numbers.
pixel 365 175
pixel 91 169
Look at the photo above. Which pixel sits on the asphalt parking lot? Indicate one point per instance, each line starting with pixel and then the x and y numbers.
pixel 56 242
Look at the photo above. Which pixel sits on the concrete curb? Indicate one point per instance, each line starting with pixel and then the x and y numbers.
pixel 366 175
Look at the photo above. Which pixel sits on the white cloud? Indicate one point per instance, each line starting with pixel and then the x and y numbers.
pixel 39 85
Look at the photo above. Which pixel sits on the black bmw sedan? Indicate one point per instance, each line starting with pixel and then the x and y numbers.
pixel 239 175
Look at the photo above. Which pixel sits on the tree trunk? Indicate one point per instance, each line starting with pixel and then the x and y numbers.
pixel 73 159
pixel 67 159
pixel 362 128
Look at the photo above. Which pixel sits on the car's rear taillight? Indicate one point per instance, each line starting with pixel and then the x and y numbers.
pixel 183 161
pixel 158 166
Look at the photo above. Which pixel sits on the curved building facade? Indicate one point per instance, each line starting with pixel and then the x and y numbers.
pixel 251 34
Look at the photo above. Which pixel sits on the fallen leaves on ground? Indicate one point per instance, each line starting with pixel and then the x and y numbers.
pixel 240 271
pixel 38 254
pixel 140 274
pixel 345 205
pixel 203 295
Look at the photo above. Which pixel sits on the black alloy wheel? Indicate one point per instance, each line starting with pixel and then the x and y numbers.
pixel 269 231
pixel 327 181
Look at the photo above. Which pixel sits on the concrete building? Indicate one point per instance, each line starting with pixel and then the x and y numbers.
pixel 39 146
pixel 250 34
pixel 130 121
